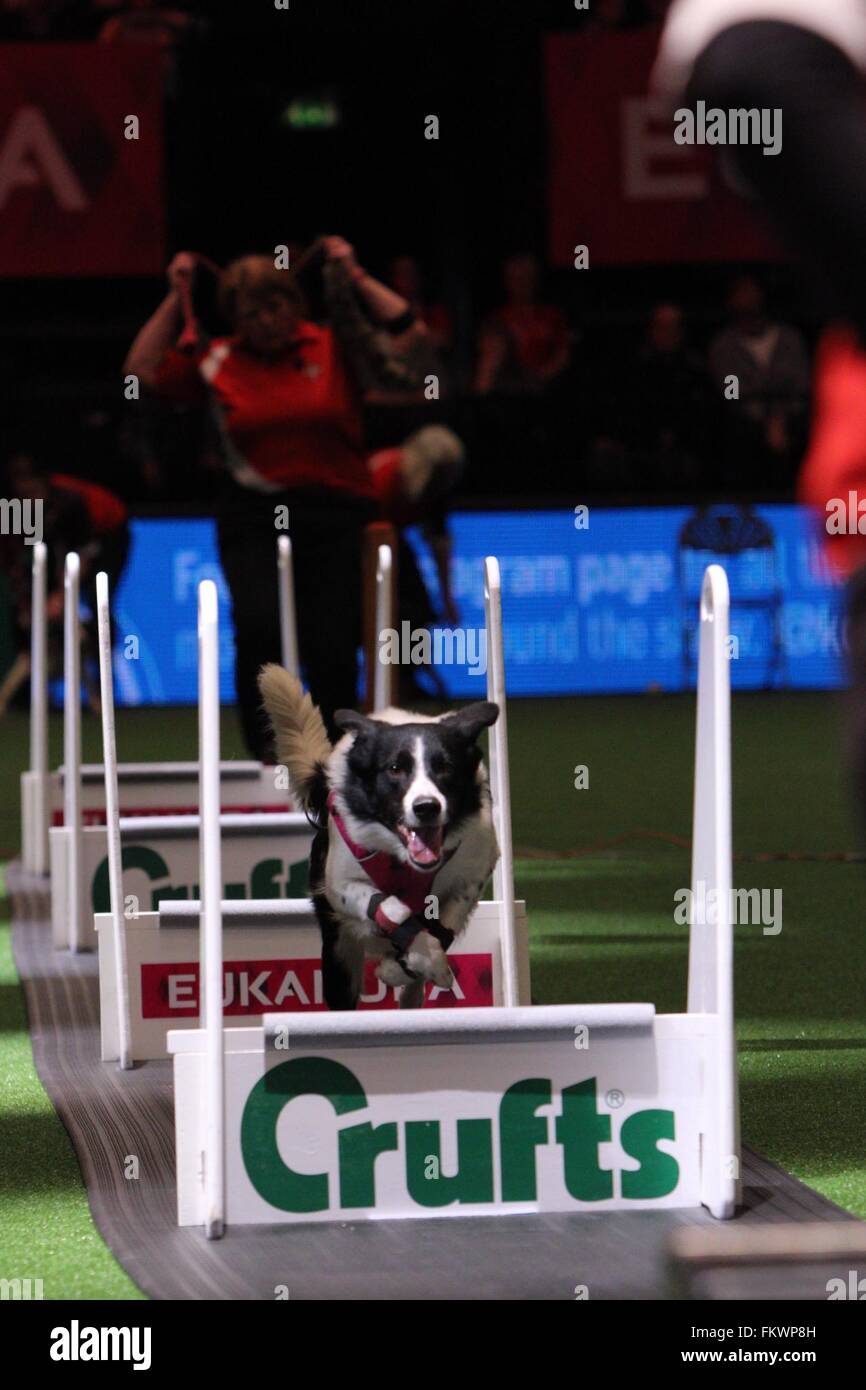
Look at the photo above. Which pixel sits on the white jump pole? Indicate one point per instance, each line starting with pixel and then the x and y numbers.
pixel 383 675
pixel 72 748
pixel 112 822
pixel 39 710
pixel 711 966
pixel 500 785
pixel 288 614
pixel 210 930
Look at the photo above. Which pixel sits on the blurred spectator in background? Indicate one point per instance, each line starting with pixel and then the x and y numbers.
pixel 524 351
pixel 65 526
pixel 761 377
pixel 404 276
pixel 525 344
pixel 670 394
pixel 108 548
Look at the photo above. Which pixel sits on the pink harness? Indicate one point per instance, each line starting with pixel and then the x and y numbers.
pixel 391 877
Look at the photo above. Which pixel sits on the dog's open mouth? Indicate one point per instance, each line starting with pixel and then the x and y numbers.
pixel 423 843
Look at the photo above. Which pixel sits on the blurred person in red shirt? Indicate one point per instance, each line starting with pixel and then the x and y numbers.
pixel 286 395
pixel 404 276
pixel 525 344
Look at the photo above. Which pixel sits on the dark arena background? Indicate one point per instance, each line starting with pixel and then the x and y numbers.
pixel 520 317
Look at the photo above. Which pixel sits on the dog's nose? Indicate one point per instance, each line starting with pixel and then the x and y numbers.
pixel 426 808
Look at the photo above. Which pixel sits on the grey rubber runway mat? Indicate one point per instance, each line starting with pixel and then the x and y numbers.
pixel 112 1116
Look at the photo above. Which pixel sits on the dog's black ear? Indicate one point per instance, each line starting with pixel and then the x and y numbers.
pixel 470 721
pixel 350 721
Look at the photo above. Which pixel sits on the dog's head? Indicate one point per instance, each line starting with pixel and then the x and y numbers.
pixel 414 784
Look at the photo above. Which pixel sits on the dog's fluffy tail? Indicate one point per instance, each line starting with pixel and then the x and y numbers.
pixel 302 742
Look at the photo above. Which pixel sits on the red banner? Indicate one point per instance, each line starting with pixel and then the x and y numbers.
pixel 292 986
pixel 619 184
pixel 80 160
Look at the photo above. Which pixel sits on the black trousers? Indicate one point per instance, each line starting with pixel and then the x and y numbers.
pixel 815 188
pixel 326 533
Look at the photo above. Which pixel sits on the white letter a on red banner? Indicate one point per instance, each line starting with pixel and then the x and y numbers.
pixel 30 155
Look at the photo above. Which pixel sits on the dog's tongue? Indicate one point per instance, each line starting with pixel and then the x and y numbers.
pixel 425 844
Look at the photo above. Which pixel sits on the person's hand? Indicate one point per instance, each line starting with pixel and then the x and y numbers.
pixel 181 269
pixel 336 248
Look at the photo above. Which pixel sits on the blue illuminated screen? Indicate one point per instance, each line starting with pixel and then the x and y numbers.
pixel 606 607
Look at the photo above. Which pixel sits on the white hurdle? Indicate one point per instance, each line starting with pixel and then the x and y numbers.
pixel 500 782
pixel 271 948
pixel 288 613
pixel 77 851
pixel 383 675
pixel 72 750
pixel 210 932
pixel 711 954
pixel 115 874
pixel 34 788
pixel 628 1109
pixel 146 789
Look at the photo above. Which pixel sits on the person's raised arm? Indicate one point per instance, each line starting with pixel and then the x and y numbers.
pixel 394 353
pixel 162 328
pixel 384 305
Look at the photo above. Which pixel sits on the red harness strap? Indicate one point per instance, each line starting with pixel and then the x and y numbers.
pixel 393 879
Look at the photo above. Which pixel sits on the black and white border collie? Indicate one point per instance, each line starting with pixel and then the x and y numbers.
pixel 405 842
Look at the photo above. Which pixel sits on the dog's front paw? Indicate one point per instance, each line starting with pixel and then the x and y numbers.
pixel 391 972
pixel 429 961
pixel 443 975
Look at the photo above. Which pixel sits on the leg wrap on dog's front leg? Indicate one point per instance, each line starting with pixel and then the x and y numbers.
pixel 388 913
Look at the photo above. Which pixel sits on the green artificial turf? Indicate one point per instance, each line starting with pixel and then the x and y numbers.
pixel 46 1230
pixel 601 922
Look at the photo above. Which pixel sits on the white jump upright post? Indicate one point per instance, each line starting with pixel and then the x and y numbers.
pixel 711 947
pixel 72 750
pixel 288 614
pixel 500 785
pixel 37 855
pixel 383 676
pixel 210 930
pixel 112 820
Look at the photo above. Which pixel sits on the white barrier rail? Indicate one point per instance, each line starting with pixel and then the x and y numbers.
pixel 210 935
pixel 288 614
pixel 711 953
pixel 72 749
pixel 500 782
pixel 383 676
pixel 109 759
pixel 36 853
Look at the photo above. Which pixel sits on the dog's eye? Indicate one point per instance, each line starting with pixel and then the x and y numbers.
pixel 394 767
